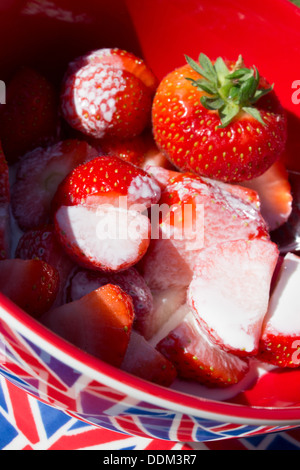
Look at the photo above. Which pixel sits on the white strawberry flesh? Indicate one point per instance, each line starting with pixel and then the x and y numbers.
pixel 103 237
pixel 283 314
pixel 229 293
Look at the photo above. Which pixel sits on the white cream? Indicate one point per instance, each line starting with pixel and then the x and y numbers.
pixel 284 309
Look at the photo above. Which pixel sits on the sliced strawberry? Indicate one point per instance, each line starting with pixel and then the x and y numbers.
pixel 42 243
pixel 196 358
pixel 38 176
pixel 105 180
pixel 31 284
pixel 196 213
pixel 274 190
pixel 144 361
pixel 101 237
pixel 108 93
pixel 30 116
pixel 229 293
pixel 5 243
pixel 99 323
pixel 84 281
pixel 280 339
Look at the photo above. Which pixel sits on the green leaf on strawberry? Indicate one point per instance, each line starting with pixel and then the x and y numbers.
pixel 230 92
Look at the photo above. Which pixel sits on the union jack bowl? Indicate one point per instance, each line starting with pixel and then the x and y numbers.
pixel 56 372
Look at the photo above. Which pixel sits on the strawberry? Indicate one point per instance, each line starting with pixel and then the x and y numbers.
pixel 30 117
pixel 99 213
pixel 31 284
pixel 197 359
pixel 229 293
pixel 42 243
pixel 104 180
pixel 103 238
pixel 280 338
pixel 219 120
pixel 99 323
pixel 38 175
pixel 4 208
pixel 274 191
pixel 131 150
pixel 108 93
pixel 84 281
pixel 144 361
pixel 196 213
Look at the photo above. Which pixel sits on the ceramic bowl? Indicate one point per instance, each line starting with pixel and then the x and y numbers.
pixel 52 32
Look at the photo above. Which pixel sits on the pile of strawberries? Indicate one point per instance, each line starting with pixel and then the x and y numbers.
pixel 81 169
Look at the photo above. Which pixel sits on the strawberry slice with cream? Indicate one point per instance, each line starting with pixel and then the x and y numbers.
pixel 101 213
pixel 103 238
pixel 280 339
pixel 274 190
pixel 229 293
pixel 197 213
pixel 99 323
pixel 145 361
pixel 198 359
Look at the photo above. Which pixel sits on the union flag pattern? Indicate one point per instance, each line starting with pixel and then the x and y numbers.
pixel 28 424
pixel 87 413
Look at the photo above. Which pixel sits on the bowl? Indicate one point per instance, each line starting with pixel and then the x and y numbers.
pixel 53 370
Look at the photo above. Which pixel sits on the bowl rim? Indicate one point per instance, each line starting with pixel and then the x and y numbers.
pixel 137 388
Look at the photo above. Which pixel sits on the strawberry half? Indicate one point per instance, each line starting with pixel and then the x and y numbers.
pixel 274 191
pixel 99 323
pixel 229 293
pixel 220 120
pixel 30 284
pixel 5 243
pixel 280 338
pixel 38 176
pixel 108 93
pixel 30 117
pixel 84 281
pixel 197 359
pixel 144 361
pixel 42 243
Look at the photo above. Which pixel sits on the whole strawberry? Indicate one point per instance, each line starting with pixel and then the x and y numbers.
pixel 29 118
pixel 108 93
pixel 221 120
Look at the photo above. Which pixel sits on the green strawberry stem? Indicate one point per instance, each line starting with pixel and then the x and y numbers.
pixel 228 92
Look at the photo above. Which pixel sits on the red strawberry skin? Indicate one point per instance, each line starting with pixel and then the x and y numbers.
pixel 105 179
pixel 39 174
pixel 198 360
pixel 108 93
pixel 99 323
pixel 30 116
pixel 190 136
pixel 42 243
pixel 84 281
pixel 144 361
pixel 31 284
